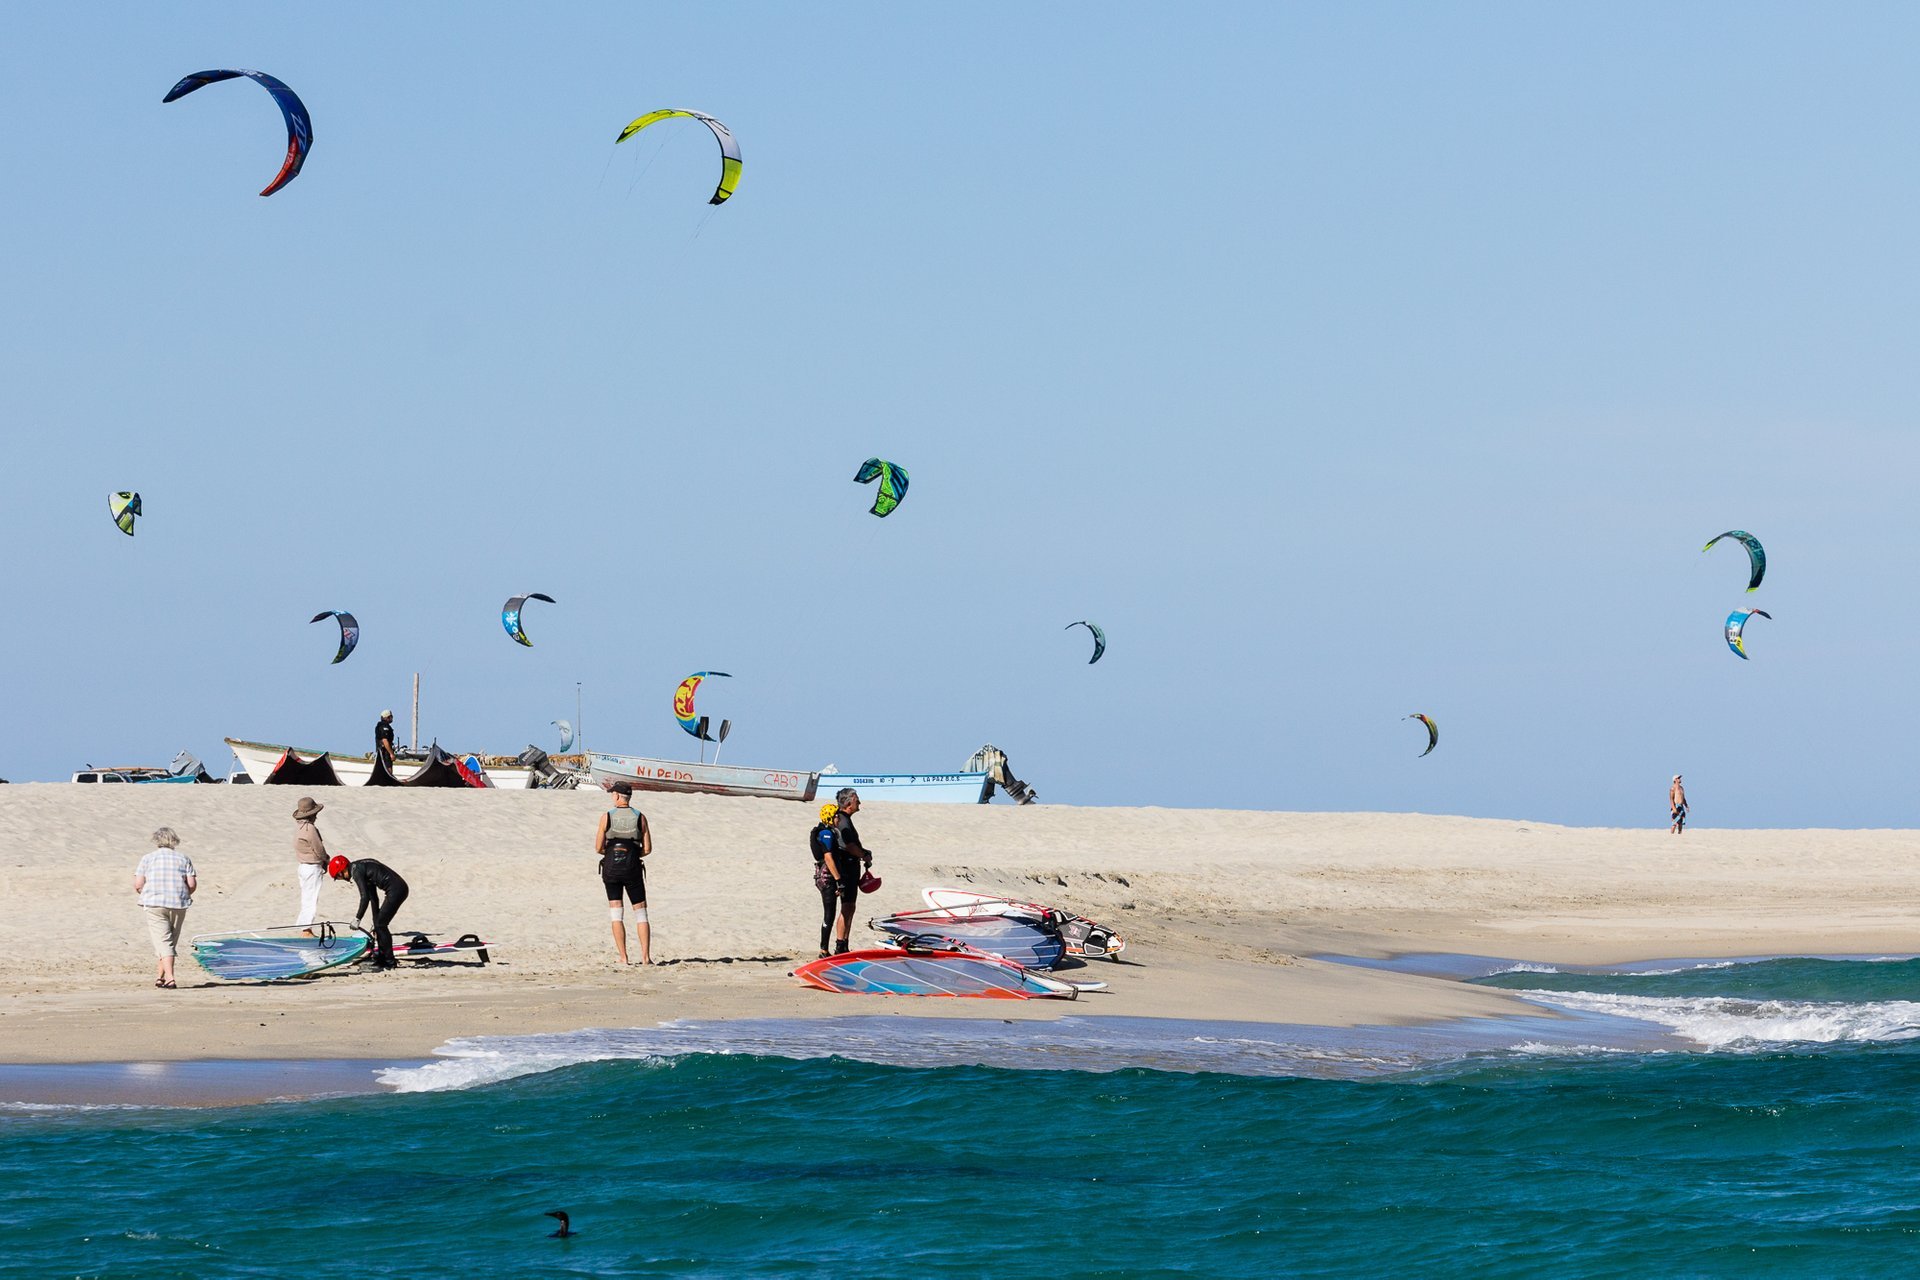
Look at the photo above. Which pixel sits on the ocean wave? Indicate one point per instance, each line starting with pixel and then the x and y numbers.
pixel 1729 1022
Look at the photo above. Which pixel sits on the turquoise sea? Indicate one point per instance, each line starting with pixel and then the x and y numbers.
pixel 1758 1118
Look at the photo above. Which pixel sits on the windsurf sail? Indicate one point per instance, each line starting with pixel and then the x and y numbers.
pixel 1081 936
pixel 930 973
pixel 285 951
pixel 1029 943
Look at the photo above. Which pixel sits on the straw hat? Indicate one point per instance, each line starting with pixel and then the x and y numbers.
pixel 306 808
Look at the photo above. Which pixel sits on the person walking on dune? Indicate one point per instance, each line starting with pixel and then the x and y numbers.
pixel 310 859
pixel 1677 802
pixel 622 840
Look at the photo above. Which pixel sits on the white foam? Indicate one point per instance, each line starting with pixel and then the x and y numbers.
pixel 1728 1022
pixel 468 1064
pixel 1523 966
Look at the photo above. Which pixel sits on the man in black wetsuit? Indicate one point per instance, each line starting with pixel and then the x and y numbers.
pixel 382 889
pixel 853 860
pixel 383 737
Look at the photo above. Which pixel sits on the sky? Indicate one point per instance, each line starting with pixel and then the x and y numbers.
pixel 1341 362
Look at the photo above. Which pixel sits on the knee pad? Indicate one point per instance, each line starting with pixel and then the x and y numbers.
pixel 613 914
pixel 639 915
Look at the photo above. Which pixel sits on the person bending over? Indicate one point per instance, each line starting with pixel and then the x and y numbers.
pixel 382 890
pixel 622 840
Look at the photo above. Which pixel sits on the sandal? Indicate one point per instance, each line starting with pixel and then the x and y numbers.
pixel 166 986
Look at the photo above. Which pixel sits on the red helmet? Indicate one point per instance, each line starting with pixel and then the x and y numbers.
pixel 337 867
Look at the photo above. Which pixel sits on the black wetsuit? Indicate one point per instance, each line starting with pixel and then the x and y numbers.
pixel 369 876
pixel 383 740
pixel 838 895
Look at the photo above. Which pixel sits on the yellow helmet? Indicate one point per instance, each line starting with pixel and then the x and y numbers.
pixel 828 812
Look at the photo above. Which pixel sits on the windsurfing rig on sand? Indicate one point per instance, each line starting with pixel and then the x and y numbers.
pixel 1031 944
pixel 951 974
pixel 284 951
pixel 299 950
pixel 1083 937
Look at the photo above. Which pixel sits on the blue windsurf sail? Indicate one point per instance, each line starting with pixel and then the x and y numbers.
pixel 267 955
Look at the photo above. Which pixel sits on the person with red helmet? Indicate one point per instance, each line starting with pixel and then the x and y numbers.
pixel 383 890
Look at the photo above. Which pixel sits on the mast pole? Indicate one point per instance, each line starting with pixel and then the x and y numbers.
pixel 416 712
pixel 579 721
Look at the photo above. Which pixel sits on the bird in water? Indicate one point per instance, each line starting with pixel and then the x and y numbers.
pixel 566 1224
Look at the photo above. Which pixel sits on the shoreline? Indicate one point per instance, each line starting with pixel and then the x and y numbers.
pixel 1228 914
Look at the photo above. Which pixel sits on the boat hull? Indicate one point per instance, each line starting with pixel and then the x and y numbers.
pixel 644 773
pixel 910 788
pixel 259 758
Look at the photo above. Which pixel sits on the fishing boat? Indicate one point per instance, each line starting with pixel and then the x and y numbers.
pixel 910 788
pixel 643 773
pixel 260 759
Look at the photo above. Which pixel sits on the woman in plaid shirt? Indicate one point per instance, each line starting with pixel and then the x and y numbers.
pixel 165 881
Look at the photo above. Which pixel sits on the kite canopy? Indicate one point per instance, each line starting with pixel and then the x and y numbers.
pixel 1737 624
pixel 930 973
pixel 893 484
pixel 1756 554
pixel 1433 730
pixel 566 735
pixel 124 506
pixel 1099 639
pixel 299 126
pixel 349 630
pixel 729 148
pixel 683 702
pixel 510 615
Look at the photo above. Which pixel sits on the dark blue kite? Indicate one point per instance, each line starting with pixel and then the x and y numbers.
pixel 299 127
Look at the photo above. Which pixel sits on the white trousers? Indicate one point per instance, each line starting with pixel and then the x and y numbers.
pixel 311 878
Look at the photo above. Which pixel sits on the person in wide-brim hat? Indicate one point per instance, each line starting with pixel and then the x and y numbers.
pixel 310 858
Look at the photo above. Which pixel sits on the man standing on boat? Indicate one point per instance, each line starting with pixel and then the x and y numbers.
pixel 310 858
pixel 383 737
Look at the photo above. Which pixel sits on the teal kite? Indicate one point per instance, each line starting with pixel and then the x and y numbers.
pixel 893 484
pixel 1099 639
pixel 1756 554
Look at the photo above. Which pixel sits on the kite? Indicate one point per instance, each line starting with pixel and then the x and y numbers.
pixel 510 615
pixel 683 702
pixel 349 630
pixel 1756 554
pixel 124 506
pixel 566 735
pixel 1737 623
pixel 1099 639
pixel 1433 731
pixel 893 484
pixel 729 149
pixel 299 127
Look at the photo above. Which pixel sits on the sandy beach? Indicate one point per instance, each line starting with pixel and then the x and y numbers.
pixel 1224 911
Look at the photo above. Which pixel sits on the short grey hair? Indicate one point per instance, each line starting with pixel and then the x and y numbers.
pixel 845 794
pixel 166 838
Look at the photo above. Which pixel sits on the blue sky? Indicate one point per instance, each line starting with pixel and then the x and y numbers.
pixel 1341 362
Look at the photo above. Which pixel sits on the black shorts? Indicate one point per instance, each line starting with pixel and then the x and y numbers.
pixel 633 883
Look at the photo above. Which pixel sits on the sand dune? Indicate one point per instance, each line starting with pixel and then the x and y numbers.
pixel 1224 910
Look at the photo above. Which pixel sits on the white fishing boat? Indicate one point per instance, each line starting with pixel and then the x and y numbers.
pixel 908 788
pixel 260 759
pixel 646 774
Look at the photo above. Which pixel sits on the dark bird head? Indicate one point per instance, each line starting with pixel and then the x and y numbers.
pixel 566 1224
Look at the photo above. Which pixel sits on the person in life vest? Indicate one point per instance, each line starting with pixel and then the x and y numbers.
pixel 840 868
pixel 382 890
pixel 622 840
